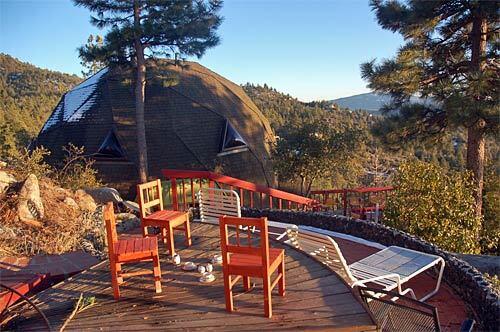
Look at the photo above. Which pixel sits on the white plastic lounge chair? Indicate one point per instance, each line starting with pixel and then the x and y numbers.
pixel 389 268
pixel 218 202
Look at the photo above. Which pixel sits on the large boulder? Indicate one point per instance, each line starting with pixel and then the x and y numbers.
pixel 30 207
pixel 126 222
pixel 6 180
pixel 104 195
pixel 85 201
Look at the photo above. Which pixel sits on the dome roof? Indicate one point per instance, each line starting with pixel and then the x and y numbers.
pixel 189 112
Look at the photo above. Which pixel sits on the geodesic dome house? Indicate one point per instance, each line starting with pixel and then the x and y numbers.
pixel 195 119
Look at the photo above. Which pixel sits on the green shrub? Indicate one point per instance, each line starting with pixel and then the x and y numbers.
pixel 490 232
pixel 436 205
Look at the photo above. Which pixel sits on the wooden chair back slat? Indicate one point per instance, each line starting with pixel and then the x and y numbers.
pixel 238 223
pixel 150 196
pixel 109 219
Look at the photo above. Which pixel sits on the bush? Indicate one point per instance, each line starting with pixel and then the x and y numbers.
pixel 27 162
pixel 436 205
pixel 490 232
pixel 77 171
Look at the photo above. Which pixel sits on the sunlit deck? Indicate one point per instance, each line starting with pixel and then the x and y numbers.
pixel 316 298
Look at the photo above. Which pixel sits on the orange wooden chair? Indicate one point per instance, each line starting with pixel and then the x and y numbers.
pixel 246 261
pixel 153 214
pixel 128 251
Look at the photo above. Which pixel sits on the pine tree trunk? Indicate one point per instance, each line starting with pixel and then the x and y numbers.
pixel 475 133
pixel 140 85
pixel 475 160
pixel 302 184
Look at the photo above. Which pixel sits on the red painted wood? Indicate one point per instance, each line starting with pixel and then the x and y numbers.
pixel 127 251
pixel 192 192
pixel 184 199
pixel 169 173
pixel 166 220
pixel 175 203
pixel 246 261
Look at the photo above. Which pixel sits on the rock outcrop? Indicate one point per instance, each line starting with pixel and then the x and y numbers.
pixel 6 180
pixel 30 207
pixel 104 195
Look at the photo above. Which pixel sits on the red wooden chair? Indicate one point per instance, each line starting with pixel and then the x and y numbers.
pixel 153 214
pixel 128 251
pixel 246 261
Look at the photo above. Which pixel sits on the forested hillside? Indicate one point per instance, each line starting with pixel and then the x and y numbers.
pixel 372 157
pixel 28 95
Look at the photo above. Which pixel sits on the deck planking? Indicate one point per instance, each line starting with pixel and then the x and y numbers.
pixel 316 298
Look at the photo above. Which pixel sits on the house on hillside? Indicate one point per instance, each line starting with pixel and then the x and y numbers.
pixel 195 119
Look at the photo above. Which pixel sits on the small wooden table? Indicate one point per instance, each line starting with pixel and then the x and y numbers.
pixel 167 221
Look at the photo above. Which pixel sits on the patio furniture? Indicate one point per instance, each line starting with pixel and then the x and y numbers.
pixel 248 261
pixel 153 215
pixel 403 314
pixel 389 268
pixel 215 202
pixel 129 251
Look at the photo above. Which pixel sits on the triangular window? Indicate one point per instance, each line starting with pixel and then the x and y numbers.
pixel 110 148
pixel 231 140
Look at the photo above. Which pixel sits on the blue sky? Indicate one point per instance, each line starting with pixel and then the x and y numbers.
pixel 310 49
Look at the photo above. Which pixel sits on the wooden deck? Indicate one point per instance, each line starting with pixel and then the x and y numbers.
pixel 316 298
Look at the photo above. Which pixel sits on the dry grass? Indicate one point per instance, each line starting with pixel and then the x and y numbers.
pixel 65 228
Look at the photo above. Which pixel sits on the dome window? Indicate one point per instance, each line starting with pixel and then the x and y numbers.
pixel 231 141
pixel 110 148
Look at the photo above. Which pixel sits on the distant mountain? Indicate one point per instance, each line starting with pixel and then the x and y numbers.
pixel 28 95
pixel 370 102
pixel 283 110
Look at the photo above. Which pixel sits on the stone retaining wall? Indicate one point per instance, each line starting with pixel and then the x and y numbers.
pixel 468 282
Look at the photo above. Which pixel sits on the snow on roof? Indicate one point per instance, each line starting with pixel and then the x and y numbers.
pixel 76 102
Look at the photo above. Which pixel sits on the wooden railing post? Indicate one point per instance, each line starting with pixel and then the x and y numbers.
pixel 265 195
pixel 344 197
pixel 175 199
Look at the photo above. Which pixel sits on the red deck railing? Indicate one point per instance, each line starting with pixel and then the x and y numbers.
pixel 361 201
pixel 185 184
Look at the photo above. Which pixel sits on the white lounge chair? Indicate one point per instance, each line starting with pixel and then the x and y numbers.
pixel 215 202
pixel 389 268
pixel 218 202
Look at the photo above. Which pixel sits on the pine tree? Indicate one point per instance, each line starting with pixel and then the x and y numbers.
pixel 139 29
pixel 450 56
pixel 92 66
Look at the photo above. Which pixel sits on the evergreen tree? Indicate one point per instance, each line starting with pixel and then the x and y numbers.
pixel 94 65
pixel 450 56
pixel 150 28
